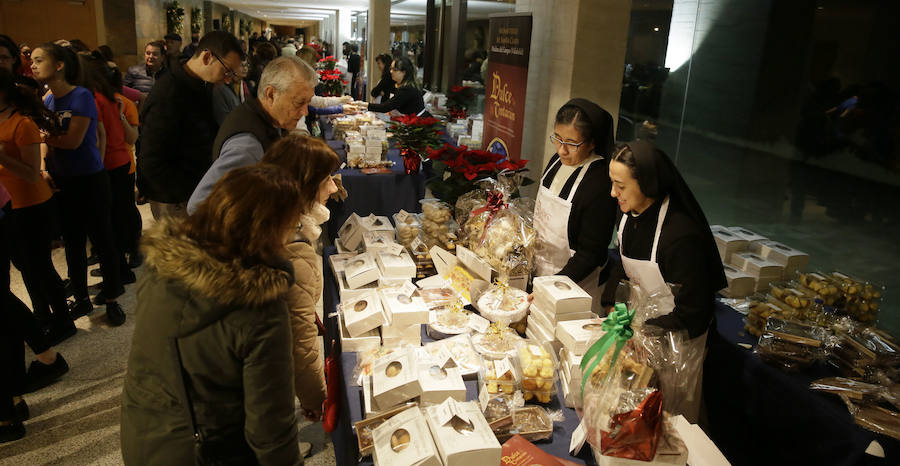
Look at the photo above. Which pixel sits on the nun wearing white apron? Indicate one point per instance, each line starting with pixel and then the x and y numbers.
pixel 664 238
pixel 574 215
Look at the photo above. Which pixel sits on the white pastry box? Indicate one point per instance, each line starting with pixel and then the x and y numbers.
pixel 351 232
pixel 396 265
pixel 571 365
pixel 748 235
pixel 403 309
pixel 348 293
pixel 539 333
pixel 364 342
pixel 377 241
pixel 405 440
pixel 554 319
pixel 361 270
pixel 728 242
pixel 558 294
pixel 399 335
pixel 484 271
pixel 337 262
pixel 792 259
pixel 439 383
pixel 363 314
pixel 395 378
pixel 376 223
pixel 740 284
pixel 462 435
pixel 536 318
pixel 577 335
pixel 756 266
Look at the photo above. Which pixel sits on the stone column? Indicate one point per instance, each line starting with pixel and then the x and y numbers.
pixel 378 39
pixel 455 47
pixel 577 50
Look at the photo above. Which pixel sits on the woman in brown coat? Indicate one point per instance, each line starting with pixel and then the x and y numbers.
pixel 305 158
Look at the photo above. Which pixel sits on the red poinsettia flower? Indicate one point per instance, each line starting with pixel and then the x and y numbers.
pixel 456 88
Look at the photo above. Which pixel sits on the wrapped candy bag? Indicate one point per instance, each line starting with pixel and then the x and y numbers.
pixel 438 226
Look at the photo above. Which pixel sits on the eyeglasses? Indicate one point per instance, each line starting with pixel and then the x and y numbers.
pixel 572 146
pixel 229 73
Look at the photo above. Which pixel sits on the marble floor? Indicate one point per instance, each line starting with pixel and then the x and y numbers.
pixel 76 420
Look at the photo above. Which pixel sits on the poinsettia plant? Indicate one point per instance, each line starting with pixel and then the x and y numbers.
pixel 415 135
pixel 457 169
pixel 331 78
pixel 459 98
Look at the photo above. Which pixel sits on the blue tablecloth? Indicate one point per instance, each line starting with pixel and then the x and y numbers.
pixel 345 444
pixel 383 194
pixel 759 414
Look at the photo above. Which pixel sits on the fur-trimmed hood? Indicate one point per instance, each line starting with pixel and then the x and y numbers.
pixel 223 286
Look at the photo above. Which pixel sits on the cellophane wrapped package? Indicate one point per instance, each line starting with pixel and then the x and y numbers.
pixel 498 229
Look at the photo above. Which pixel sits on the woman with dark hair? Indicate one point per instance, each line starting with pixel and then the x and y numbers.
pixel 75 166
pixel 407 98
pixel 664 238
pixel 18 324
pixel 117 159
pixel 385 86
pixel 574 215
pixel 33 213
pixel 262 55
pixel 210 371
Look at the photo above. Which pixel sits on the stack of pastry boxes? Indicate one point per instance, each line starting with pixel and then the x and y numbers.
pixel 405 375
pixel 752 262
pixel 366 306
pixel 576 336
pixel 556 299
pixel 449 434
pixel 375 139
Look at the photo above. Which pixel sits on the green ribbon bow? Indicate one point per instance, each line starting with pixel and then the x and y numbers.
pixel 618 330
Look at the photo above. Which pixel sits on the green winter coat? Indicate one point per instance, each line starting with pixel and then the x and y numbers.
pixel 231 324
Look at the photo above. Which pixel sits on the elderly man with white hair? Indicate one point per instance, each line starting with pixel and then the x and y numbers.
pixel 284 92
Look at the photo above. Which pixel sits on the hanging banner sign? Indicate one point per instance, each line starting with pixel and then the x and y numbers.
pixel 507 77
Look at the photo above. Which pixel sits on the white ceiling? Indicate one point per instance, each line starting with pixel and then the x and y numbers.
pixel 403 12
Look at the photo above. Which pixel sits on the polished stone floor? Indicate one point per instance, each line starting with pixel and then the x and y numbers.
pixel 76 420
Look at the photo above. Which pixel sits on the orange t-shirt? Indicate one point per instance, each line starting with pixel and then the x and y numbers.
pixel 17 132
pixel 117 153
pixel 131 115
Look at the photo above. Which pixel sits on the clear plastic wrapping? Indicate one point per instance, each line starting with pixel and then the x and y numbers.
pixel 538 363
pixel 875 418
pixel 532 422
pixel 497 228
pixel 499 376
pixel 460 349
pixel 366 359
pixel 503 303
pixel 497 343
pixel 856 390
pixel 438 226
pixel 446 321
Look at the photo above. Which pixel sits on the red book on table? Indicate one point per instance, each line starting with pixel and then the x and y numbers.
pixel 520 452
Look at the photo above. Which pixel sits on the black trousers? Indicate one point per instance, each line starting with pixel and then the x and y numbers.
pixel 17 324
pixel 85 206
pixel 32 229
pixel 126 219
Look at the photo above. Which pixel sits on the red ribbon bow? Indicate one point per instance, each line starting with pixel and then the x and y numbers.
pixel 494 204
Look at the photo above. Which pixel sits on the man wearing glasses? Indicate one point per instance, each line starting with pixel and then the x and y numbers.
pixel 179 127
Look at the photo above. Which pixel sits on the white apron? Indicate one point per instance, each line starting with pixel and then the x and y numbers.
pixel 551 225
pixel 681 392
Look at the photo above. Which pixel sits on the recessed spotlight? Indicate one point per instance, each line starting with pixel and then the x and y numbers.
pixel 655 28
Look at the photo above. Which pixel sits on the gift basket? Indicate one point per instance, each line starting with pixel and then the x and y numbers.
pixel 634 372
pixel 497 229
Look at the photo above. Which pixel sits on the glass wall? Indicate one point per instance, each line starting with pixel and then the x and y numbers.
pixel 782 116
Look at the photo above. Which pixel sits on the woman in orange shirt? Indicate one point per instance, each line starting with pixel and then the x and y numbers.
pixel 116 157
pixel 33 210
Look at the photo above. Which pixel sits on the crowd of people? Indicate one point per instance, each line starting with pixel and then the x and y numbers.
pixel 228 177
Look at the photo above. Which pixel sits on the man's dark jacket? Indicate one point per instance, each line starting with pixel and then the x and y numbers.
pixel 177 133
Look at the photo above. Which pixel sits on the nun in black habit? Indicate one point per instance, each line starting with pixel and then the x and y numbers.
pixel 664 239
